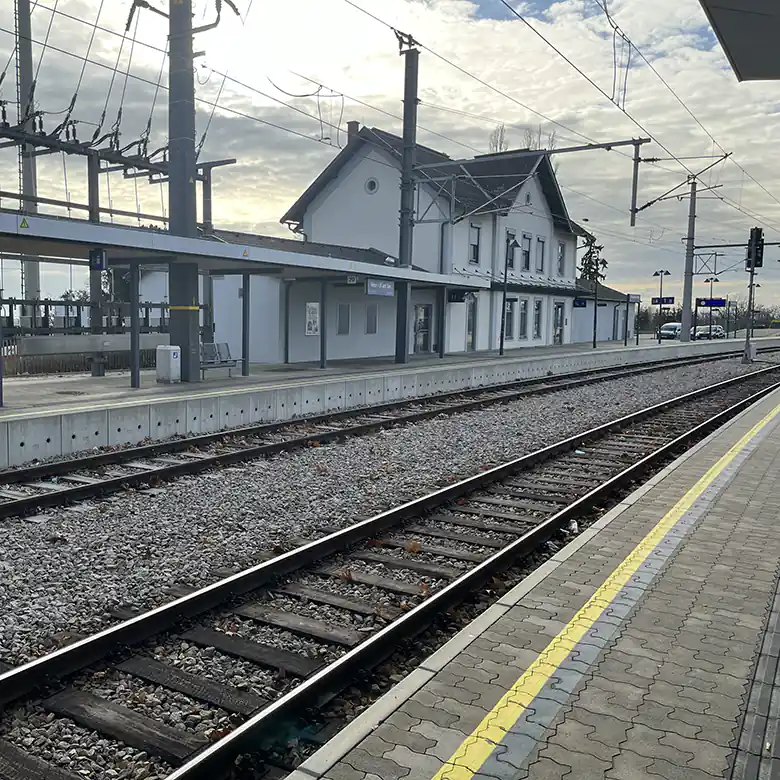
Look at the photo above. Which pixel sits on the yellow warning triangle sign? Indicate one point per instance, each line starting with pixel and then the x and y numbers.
pixel 246 254
pixel 23 225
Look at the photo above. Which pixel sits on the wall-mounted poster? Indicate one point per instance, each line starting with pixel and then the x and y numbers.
pixel 313 319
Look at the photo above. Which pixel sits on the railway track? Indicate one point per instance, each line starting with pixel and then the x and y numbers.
pixel 42 486
pixel 255 650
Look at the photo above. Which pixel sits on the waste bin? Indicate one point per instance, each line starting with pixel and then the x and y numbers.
pixel 168 364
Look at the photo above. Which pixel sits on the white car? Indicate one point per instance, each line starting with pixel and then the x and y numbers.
pixel 671 330
pixel 705 332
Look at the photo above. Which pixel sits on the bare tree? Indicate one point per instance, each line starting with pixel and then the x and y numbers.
pixel 534 138
pixel 498 139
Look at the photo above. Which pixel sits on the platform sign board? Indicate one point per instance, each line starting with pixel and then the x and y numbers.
pixel 579 303
pixel 632 298
pixel 667 300
pixel 98 260
pixel 711 303
pixel 352 279
pixel 380 287
pixel 313 319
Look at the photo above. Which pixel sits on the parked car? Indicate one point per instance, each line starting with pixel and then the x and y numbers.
pixel 705 332
pixel 671 330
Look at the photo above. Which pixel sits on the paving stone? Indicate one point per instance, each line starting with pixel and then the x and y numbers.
pixel 649 742
pixel 707 757
pixel 572 735
pixel 418 765
pixel 344 771
pixel 395 736
pixel 446 741
pixel 402 720
pixel 581 764
pixel 418 711
pixel 386 768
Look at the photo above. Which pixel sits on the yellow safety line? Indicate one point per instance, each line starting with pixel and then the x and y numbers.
pixel 479 745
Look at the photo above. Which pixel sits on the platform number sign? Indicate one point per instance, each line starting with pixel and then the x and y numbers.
pixel 98 260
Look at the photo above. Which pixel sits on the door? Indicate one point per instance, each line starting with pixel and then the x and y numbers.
pixel 558 323
pixel 423 315
pixel 471 324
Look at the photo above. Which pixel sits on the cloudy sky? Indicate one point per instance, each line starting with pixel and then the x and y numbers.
pixel 277 45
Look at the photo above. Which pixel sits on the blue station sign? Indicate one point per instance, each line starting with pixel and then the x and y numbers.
pixel 667 300
pixel 579 303
pixel 711 303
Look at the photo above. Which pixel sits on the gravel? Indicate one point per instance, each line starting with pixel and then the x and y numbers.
pixel 67 571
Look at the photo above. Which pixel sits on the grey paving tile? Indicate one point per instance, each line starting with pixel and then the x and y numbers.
pixel 386 768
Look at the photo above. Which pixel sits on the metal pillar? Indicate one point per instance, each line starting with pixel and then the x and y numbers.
pixel 502 335
pixel 323 325
pixel 95 277
pixel 245 298
pixel 635 184
pixel 441 302
pixel 208 312
pixel 31 273
pixel 183 292
pixel 685 333
pixel 625 324
pixel 595 311
pixel 287 292
pixel 412 57
pixel 208 220
pixel 135 326
pixel 747 356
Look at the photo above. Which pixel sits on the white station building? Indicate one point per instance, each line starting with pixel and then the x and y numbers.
pixel 475 222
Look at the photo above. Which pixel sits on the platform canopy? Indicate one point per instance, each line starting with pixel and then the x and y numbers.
pixel 56 239
pixel 748 31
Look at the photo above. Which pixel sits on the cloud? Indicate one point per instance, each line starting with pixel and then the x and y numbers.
pixel 340 47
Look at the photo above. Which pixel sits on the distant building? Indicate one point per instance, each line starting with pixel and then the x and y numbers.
pixel 613 306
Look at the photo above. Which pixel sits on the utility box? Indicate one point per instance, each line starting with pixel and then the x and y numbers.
pixel 168 365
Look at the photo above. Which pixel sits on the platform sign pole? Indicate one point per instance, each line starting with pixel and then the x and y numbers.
pixel 685 333
pixel 323 328
pixel 135 327
pixel 245 310
pixel 2 352
pixel 625 324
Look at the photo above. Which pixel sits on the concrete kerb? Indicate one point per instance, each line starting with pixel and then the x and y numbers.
pixel 44 433
pixel 317 765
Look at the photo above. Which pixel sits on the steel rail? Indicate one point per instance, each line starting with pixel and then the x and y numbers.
pixel 216 759
pixel 506 393
pixel 25 679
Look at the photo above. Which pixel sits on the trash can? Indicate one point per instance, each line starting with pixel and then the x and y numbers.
pixel 168 365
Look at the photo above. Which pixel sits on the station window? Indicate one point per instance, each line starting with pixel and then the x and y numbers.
pixel 509 322
pixel 372 314
pixel 537 319
pixel 540 254
pixel 526 252
pixel 342 323
pixel 474 232
pixel 522 332
pixel 510 248
pixel 561 258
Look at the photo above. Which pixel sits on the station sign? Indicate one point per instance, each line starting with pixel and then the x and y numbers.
pixel 667 300
pixel 456 296
pixel 579 303
pixel 353 280
pixel 712 303
pixel 380 287
pixel 632 298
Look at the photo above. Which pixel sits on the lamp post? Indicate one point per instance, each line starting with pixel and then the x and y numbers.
pixel 510 245
pixel 711 280
pixel 660 274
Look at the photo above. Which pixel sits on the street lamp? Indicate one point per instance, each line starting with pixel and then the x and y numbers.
pixel 510 245
pixel 711 280
pixel 660 274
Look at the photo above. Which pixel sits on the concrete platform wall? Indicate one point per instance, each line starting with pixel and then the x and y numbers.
pixel 40 435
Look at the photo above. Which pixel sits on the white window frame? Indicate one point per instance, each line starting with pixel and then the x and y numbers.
pixel 561 258
pixel 525 253
pixel 339 310
pixel 540 242
pixel 375 307
pixel 511 235
pixel 522 318
pixel 538 323
pixel 474 256
pixel 510 319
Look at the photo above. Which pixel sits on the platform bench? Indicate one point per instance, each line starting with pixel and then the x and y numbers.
pixel 216 356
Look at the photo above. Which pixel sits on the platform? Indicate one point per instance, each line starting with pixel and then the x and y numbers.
pixel 47 417
pixel 646 648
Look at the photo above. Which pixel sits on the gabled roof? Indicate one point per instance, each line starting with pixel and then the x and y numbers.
pixel 478 188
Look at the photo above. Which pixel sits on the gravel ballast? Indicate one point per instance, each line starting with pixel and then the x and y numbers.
pixel 65 572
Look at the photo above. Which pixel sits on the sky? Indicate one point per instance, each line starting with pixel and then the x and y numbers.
pixel 298 70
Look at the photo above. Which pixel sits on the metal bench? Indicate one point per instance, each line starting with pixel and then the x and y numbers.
pixel 216 356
